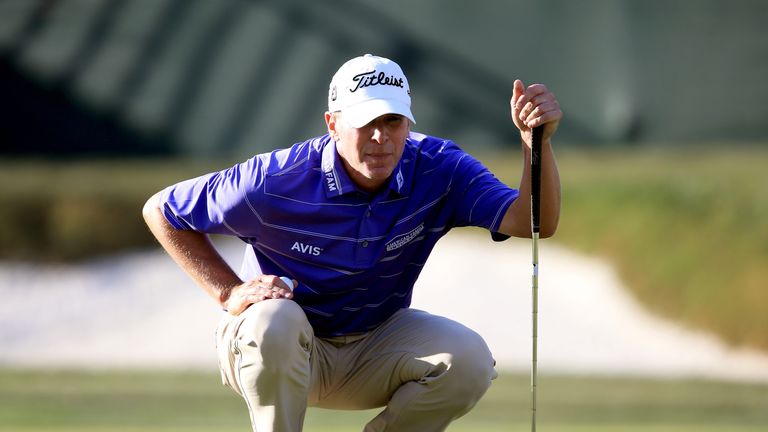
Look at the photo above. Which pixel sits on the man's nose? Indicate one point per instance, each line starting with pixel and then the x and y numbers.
pixel 379 133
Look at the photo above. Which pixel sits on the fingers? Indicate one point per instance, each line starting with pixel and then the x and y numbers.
pixel 542 113
pixel 268 286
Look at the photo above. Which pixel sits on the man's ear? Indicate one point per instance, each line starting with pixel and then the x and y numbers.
pixel 330 122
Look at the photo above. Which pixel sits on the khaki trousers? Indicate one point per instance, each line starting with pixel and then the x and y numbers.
pixel 426 370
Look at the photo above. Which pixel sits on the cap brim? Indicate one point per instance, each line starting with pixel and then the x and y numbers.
pixel 361 114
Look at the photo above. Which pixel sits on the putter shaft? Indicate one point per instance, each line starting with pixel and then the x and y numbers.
pixel 537 133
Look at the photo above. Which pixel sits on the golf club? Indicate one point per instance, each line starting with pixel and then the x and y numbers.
pixel 535 223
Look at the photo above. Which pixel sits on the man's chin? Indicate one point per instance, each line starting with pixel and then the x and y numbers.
pixel 379 174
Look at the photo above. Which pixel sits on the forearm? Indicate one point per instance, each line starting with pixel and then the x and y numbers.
pixel 517 221
pixel 193 252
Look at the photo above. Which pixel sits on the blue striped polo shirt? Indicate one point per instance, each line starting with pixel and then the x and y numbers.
pixel 356 255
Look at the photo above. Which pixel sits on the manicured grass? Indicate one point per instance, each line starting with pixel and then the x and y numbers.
pixel 170 402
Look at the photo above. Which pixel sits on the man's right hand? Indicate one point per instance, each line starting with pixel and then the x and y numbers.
pixel 263 287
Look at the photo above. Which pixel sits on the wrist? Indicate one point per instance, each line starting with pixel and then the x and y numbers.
pixel 225 292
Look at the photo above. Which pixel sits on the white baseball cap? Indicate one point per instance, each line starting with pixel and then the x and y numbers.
pixel 367 87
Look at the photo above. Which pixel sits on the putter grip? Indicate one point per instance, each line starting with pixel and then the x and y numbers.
pixel 536 179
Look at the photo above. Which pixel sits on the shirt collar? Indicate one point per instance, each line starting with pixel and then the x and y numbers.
pixel 401 180
pixel 337 182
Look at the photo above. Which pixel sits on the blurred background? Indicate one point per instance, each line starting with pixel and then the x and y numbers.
pixel 663 153
pixel 213 78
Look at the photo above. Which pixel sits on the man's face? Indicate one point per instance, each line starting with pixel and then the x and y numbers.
pixel 370 153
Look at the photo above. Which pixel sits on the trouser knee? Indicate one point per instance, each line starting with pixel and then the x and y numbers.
pixel 469 373
pixel 277 329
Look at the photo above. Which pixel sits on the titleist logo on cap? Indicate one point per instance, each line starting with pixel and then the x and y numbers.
pixel 369 79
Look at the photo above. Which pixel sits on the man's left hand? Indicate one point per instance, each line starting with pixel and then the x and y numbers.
pixel 534 106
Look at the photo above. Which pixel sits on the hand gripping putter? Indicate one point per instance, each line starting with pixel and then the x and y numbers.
pixel 535 223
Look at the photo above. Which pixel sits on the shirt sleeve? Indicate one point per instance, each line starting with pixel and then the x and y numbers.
pixel 216 203
pixel 479 197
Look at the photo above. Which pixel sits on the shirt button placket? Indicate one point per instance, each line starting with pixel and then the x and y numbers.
pixel 365 231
